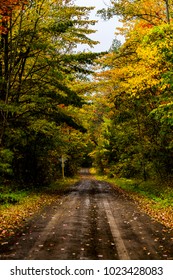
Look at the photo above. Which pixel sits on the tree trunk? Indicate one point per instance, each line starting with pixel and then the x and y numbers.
pixel 4 79
pixel 167 11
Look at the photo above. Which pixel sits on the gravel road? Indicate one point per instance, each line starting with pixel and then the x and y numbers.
pixel 92 221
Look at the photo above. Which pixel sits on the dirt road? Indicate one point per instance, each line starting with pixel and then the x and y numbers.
pixel 92 221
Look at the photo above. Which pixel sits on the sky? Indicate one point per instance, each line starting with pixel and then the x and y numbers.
pixel 105 29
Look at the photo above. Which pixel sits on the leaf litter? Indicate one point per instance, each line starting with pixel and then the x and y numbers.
pixel 13 217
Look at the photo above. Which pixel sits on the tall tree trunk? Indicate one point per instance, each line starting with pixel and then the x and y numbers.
pixel 4 79
pixel 143 164
pixel 167 11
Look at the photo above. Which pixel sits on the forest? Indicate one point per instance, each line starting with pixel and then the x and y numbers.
pixel 59 106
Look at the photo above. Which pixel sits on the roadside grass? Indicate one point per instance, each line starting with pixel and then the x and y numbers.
pixel 153 197
pixel 161 194
pixel 18 206
pixel 11 197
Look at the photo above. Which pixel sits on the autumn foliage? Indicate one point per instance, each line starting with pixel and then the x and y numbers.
pixel 134 85
pixel 7 5
pixel 6 9
pixel 39 71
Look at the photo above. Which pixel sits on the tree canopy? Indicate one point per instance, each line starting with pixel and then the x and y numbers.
pixel 114 109
pixel 134 92
pixel 39 67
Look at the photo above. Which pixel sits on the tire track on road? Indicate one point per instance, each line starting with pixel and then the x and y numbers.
pixel 119 243
pixel 49 229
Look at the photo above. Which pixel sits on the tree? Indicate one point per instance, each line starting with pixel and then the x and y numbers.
pixel 137 79
pixel 39 69
pixel 152 12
